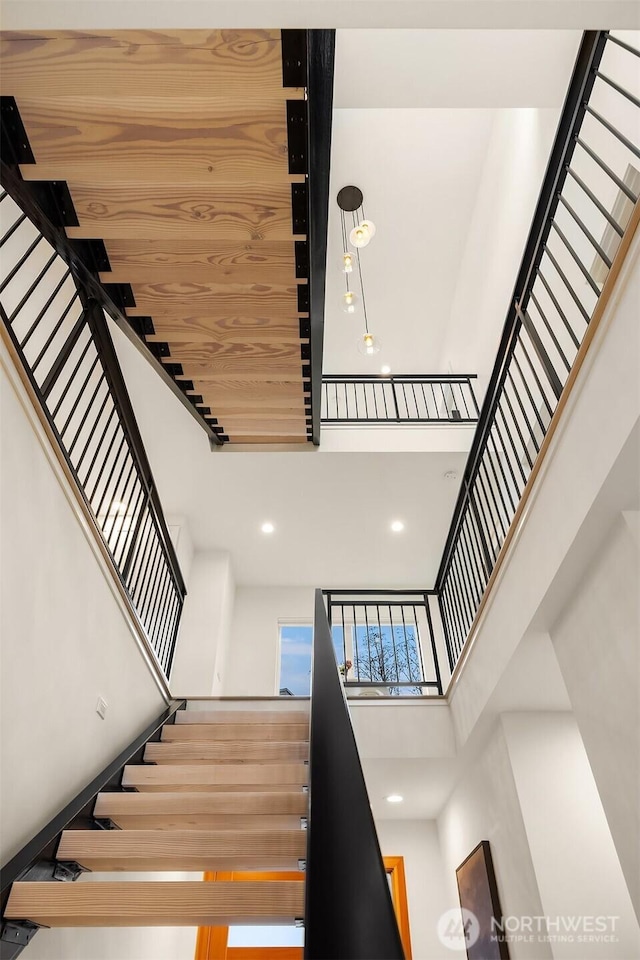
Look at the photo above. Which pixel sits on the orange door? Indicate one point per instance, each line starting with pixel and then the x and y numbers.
pixel 212 941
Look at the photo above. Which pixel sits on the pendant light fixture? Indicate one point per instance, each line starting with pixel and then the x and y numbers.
pixel 357 231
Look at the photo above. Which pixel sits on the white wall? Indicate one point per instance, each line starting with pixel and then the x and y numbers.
pixel 65 642
pixel 417 842
pixel 253 665
pixel 515 162
pixel 596 643
pixel 485 806
pixel 574 857
pixel 205 627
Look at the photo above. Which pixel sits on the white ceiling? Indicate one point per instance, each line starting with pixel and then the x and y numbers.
pixel 331 510
pixel 452 68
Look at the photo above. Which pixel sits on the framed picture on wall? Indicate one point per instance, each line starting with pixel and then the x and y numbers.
pixel 480 904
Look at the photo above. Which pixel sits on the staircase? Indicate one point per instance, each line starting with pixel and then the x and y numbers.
pixel 222 789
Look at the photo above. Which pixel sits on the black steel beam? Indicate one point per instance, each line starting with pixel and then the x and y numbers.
pixel 320 68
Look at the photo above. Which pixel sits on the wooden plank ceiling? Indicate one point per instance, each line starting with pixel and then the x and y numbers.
pixel 174 146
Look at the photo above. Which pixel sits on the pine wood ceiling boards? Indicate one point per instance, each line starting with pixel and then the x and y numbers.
pixel 175 149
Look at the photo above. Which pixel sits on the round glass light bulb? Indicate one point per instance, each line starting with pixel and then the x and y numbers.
pixel 369 344
pixel 267 527
pixel 385 370
pixel 397 526
pixel 370 226
pixel 360 235
pixel 347 261
pixel 349 301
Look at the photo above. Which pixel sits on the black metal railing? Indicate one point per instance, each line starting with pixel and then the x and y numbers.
pixel 37 859
pixel 376 400
pixel 348 908
pixel 588 194
pixel 385 641
pixel 62 340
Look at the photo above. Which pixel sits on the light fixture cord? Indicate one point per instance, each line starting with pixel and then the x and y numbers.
pixel 364 302
pixel 344 243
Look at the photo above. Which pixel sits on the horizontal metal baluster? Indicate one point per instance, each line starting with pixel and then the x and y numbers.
pixel 105 459
pixel 621 185
pixel 72 376
pixel 612 130
pixel 601 207
pixel 535 376
pixel 585 273
pixel 549 329
pixel 85 449
pixel 12 229
pixel 592 240
pixel 561 313
pixel 122 445
pixel 529 394
pixel 625 46
pixel 574 296
pixel 78 395
pixel 618 88
pixel 36 363
pixel 28 296
pixel 21 262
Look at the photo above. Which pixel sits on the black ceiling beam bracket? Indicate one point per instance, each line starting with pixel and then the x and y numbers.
pixel 14 143
pixel 294 58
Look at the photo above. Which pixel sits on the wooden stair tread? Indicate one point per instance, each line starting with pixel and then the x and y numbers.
pixel 204 776
pixel 234 732
pixel 107 850
pixel 227 751
pixel 284 802
pixel 156 903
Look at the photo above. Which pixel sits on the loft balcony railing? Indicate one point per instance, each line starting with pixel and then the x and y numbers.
pixel 59 337
pixel 356 400
pixel 385 641
pixel 586 203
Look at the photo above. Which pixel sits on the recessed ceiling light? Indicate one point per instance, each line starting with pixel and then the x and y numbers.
pixel 386 370
pixel 397 526
pixel 394 798
pixel 451 475
pixel 267 527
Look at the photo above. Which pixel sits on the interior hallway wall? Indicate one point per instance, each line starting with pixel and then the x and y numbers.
pixel 253 667
pixel 576 865
pixel 64 643
pixel 417 842
pixel 596 643
pixel 485 806
pixel 203 640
